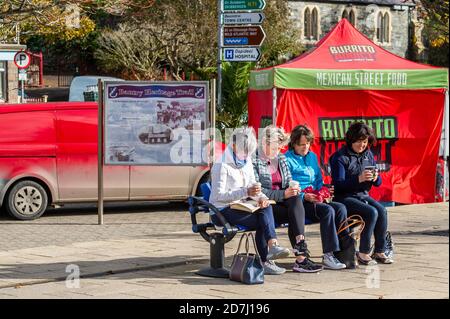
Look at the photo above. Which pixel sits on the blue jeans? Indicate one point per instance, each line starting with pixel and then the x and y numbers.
pixel 330 217
pixel 375 217
pixel 262 221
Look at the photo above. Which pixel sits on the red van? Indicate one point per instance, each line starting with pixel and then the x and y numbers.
pixel 48 156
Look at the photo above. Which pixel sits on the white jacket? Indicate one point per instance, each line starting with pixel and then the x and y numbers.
pixel 228 183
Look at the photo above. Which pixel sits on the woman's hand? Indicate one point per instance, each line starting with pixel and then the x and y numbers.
pixel 331 188
pixel 375 175
pixel 311 198
pixel 263 203
pixel 366 176
pixel 290 192
pixel 253 190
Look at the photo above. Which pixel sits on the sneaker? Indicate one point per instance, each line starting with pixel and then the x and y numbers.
pixel 306 265
pixel 276 252
pixel 270 268
pixel 331 262
pixel 301 249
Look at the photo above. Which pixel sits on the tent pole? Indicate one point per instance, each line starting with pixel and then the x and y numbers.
pixel 274 106
pixel 446 134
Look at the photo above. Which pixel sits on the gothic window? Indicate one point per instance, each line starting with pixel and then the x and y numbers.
pixel 345 14
pixel 386 27
pixel 315 24
pixel 383 29
pixel 351 17
pixel 311 24
pixel 307 20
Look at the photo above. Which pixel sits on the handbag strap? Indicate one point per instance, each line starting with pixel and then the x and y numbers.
pixel 254 245
pixel 240 242
pixel 352 221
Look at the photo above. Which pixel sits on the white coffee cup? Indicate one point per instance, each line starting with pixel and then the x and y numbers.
pixel 294 184
pixel 257 184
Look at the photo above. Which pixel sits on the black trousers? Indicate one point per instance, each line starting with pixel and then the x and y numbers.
pixel 291 211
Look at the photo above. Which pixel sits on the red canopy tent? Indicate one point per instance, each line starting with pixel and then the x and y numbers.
pixel 347 77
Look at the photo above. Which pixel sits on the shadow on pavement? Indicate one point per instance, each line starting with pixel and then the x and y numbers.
pixel 130 267
pixel 109 209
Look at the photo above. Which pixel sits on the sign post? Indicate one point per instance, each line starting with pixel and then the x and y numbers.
pixel 241 29
pixel 22 61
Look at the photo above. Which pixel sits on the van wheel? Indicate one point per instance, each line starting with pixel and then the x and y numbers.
pixel 27 200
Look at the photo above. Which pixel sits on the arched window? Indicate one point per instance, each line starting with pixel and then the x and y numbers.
pixel 307 20
pixel 351 17
pixel 383 30
pixel 315 24
pixel 345 14
pixel 379 27
pixel 386 27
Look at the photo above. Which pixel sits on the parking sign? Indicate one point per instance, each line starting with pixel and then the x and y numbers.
pixel 22 60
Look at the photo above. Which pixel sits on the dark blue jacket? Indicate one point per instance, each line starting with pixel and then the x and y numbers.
pixel 346 166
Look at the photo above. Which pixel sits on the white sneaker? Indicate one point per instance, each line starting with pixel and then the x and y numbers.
pixel 277 252
pixel 270 268
pixel 331 262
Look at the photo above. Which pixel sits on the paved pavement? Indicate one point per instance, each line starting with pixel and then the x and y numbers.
pixel 148 251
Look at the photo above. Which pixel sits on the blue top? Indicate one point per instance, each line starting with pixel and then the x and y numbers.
pixel 305 170
pixel 346 166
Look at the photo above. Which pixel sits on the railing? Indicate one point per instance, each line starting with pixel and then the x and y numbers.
pixel 64 80
pixel 42 99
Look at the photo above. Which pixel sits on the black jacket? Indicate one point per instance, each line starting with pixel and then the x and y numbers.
pixel 346 166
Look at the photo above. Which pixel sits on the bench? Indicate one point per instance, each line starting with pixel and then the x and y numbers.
pixel 216 238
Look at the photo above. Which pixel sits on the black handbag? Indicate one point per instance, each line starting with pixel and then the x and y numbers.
pixel 247 267
pixel 347 240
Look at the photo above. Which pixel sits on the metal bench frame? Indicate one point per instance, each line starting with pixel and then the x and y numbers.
pixel 216 238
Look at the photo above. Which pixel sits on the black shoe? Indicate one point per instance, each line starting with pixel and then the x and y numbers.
pixel 301 249
pixel 307 265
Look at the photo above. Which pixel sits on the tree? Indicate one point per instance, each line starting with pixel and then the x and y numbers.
pixel 436 30
pixel 182 37
pixel 54 19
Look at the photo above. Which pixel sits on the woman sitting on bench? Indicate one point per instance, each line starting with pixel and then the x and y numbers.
pixel 304 167
pixel 232 178
pixel 272 171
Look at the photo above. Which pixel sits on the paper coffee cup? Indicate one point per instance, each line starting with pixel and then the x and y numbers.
pixel 294 184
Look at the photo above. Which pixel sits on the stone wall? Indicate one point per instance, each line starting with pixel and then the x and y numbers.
pixel 13 83
pixel 366 16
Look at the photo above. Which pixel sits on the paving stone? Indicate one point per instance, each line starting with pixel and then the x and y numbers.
pixel 43 248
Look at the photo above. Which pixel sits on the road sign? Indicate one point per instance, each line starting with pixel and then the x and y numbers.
pixel 251 36
pixel 22 60
pixel 243 18
pixel 22 75
pixel 245 5
pixel 241 54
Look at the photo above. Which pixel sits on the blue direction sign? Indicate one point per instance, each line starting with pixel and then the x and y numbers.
pixel 243 5
pixel 241 54
pixel 243 18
